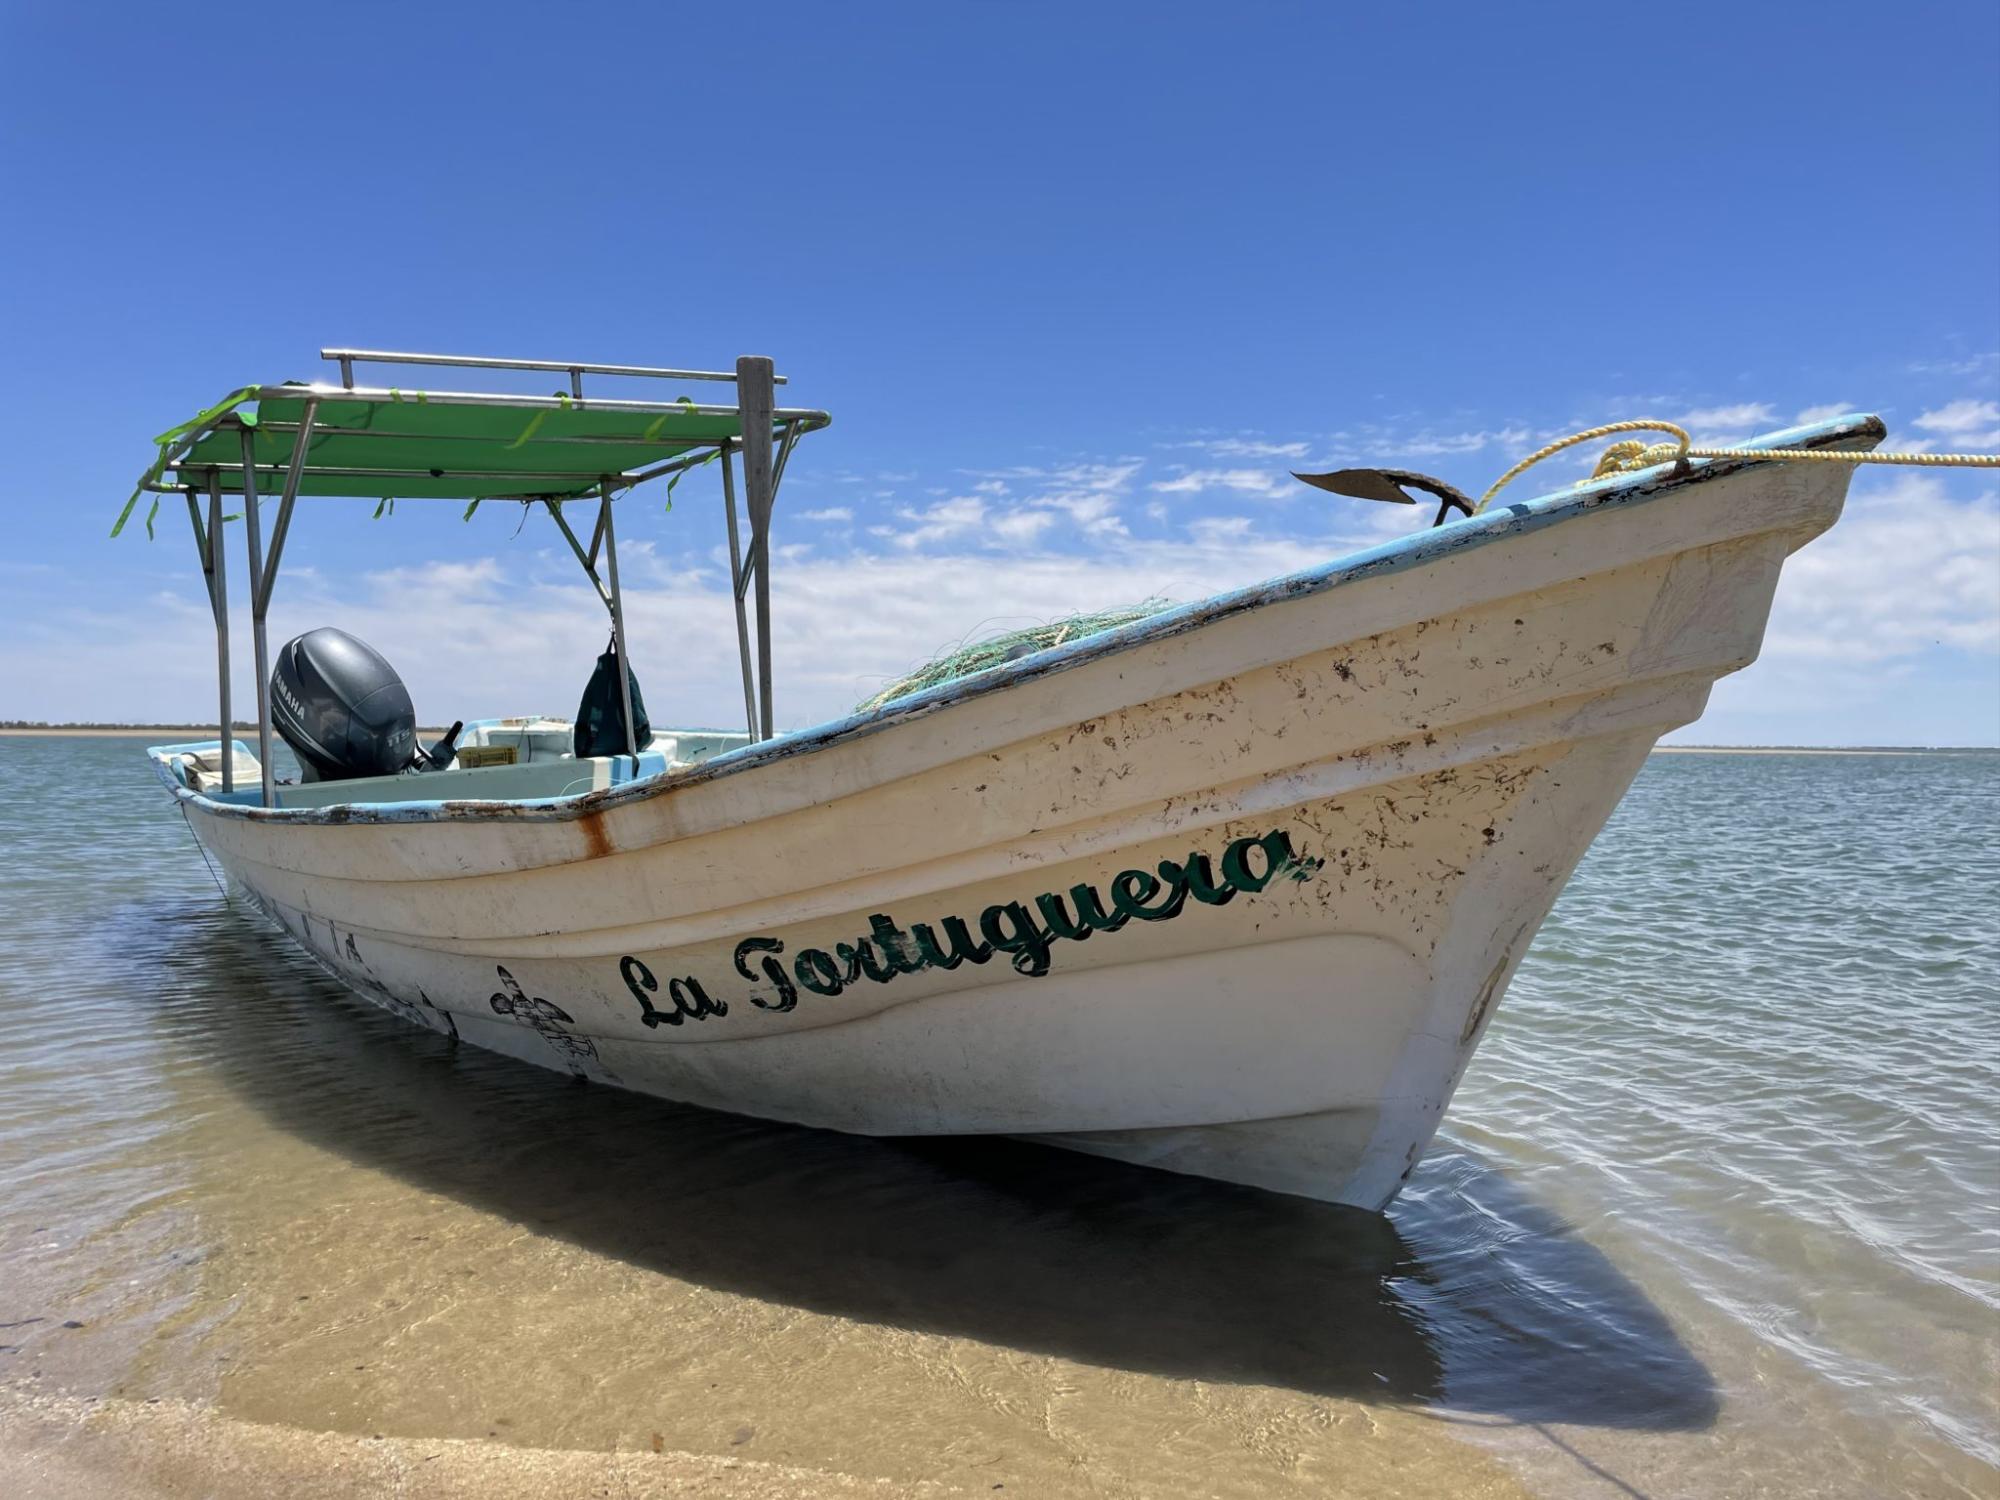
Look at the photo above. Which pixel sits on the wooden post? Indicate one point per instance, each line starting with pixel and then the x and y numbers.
pixel 754 400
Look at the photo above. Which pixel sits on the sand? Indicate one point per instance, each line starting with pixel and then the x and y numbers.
pixel 56 1447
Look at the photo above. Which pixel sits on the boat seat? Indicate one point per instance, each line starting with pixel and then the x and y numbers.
pixel 202 769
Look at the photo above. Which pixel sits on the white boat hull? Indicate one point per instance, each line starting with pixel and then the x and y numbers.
pixel 1319 824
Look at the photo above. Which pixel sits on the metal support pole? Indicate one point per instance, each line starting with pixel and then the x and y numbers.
pixel 555 509
pixel 347 357
pixel 281 528
pixel 218 600
pixel 755 400
pixel 736 589
pixel 790 437
pixel 618 625
pixel 201 548
pixel 253 530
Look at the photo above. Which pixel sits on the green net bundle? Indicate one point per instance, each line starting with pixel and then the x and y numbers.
pixel 977 656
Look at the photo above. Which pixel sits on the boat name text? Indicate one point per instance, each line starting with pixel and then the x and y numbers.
pixel 1026 934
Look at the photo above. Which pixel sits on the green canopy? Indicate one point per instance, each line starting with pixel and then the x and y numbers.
pixel 412 445
pixel 388 444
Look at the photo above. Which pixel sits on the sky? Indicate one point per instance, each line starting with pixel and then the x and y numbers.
pixel 1079 284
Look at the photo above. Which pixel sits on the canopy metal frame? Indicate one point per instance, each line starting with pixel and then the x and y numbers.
pixel 768 435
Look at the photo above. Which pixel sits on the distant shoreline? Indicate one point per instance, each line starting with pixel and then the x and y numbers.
pixel 172 732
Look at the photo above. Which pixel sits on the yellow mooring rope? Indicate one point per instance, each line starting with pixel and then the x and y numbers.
pixel 1624 457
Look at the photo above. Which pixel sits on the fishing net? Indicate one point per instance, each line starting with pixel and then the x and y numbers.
pixel 975 656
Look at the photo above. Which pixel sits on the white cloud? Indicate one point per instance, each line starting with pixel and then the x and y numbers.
pixel 1021 527
pixel 1263 483
pixel 1965 424
pixel 1825 413
pixel 468 580
pixel 1972 365
pixel 1106 477
pixel 1432 444
pixel 830 513
pixel 1908 568
pixel 948 518
pixel 1884 631
pixel 1717 422
pixel 1095 513
pixel 1242 447
pixel 1215 530
pixel 1088 493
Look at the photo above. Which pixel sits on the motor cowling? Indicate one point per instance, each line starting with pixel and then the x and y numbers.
pixel 341 707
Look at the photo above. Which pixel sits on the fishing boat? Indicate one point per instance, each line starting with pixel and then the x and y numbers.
pixel 1231 890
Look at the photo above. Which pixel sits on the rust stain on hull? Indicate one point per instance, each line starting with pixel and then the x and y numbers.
pixel 595 838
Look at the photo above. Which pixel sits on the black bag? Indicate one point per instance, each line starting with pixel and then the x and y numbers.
pixel 600 718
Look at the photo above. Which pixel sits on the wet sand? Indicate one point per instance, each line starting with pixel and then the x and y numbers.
pixel 56 1447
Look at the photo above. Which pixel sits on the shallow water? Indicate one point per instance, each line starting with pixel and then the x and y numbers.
pixel 1716 1211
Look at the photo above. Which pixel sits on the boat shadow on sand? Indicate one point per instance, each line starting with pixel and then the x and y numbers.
pixel 1468 1298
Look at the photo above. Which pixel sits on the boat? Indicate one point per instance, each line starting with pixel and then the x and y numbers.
pixel 1232 890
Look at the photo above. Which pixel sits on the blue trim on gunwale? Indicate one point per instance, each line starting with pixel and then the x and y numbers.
pixel 1397 555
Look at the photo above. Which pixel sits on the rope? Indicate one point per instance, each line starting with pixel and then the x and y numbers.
pixel 1624 457
pixel 200 849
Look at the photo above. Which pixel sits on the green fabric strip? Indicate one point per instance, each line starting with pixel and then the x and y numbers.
pixel 165 442
pixel 530 430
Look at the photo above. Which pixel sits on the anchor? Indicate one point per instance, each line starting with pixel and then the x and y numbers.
pixel 1387 485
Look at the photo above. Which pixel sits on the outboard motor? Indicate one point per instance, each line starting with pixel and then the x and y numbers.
pixel 342 708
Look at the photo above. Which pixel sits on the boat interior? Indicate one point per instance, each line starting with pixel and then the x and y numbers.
pixel 336 702
pixel 499 760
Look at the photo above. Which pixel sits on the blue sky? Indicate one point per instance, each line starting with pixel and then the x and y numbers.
pixel 1078 283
